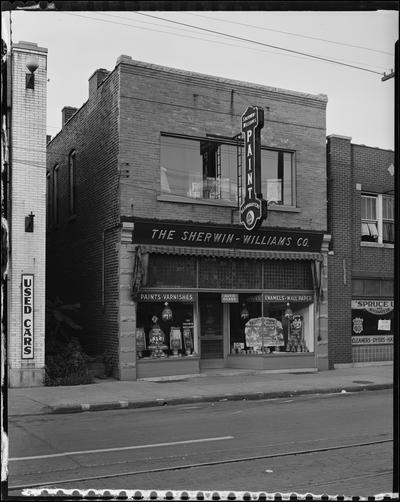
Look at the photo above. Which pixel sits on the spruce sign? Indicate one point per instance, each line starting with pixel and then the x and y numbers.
pixel 254 208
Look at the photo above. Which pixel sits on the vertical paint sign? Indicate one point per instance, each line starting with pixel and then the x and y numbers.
pixel 27 316
pixel 254 208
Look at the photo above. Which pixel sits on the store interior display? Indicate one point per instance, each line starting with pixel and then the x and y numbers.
pixel 268 328
pixel 164 330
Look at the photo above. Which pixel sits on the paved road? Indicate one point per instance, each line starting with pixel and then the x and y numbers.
pixel 52 448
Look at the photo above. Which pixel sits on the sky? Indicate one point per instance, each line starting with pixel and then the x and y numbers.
pixel 360 104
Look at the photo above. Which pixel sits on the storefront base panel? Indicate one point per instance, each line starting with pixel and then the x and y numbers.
pixel 206 364
pixel 372 353
pixel 26 377
pixel 280 361
pixel 148 368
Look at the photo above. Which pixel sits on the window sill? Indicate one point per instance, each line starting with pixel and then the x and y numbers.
pixel 223 203
pixel 189 200
pixel 376 245
pixel 288 209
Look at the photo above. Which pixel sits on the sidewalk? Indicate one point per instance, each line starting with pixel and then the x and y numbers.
pixel 215 385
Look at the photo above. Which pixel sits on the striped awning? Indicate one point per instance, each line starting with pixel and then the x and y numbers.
pixel 231 253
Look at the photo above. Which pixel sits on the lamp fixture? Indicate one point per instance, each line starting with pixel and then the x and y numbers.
pixel 288 312
pixel 166 314
pixel 244 314
pixel 32 64
pixel 29 222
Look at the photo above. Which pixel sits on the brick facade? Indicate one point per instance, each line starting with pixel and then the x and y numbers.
pixel 116 137
pixel 27 195
pixel 352 170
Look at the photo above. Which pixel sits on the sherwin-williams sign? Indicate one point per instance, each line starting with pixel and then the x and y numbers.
pixel 27 316
pixel 254 208
pixel 213 236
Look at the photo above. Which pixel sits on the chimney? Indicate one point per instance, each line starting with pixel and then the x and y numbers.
pixel 96 79
pixel 67 113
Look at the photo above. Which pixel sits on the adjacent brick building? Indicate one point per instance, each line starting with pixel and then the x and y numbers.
pixel 361 257
pixel 27 87
pixel 144 231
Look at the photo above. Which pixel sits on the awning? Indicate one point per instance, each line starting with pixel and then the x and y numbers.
pixel 231 253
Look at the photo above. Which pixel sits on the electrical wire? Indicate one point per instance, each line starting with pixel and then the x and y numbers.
pixel 290 51
pixel 294 34
pixel 261 43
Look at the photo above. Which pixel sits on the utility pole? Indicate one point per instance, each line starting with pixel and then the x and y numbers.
pixel 388 76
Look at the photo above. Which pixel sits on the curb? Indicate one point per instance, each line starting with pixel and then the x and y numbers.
pixel 118 405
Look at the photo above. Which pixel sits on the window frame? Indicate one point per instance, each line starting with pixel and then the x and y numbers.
pixel 379 220
pixel 72 183
pixel 49 204
pixel 225 140
pixel 56 195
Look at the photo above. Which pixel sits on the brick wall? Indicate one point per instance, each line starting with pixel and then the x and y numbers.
pixel 155 99
pixel 83 248
pixel 116 136
pixel 347 166
pixel 28 194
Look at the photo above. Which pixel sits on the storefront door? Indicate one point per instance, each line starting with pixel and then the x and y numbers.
pixel 211 327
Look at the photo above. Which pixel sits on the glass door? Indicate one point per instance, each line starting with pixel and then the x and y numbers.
pixel 211 326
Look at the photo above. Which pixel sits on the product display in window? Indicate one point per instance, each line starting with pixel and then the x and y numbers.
pixel 165 330
pixel 157 343
pixel 270 328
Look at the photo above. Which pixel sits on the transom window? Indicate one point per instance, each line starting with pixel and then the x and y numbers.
pixel 377 218
pixel 207 169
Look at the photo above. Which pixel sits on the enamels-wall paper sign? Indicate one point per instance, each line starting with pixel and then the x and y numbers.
pixel 27 316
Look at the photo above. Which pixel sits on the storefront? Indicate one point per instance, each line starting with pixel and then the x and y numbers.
pixel 372 333
pixel 208 296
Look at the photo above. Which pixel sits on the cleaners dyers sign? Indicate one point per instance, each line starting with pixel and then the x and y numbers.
pixel 254 209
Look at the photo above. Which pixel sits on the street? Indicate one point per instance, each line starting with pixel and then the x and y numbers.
pixel 335 444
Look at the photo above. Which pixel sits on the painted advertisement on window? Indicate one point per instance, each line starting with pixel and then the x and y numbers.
pixel 372 321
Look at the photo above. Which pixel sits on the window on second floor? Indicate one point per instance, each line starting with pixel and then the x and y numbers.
pixel 72 182
pixel 48 200
pixel 207 169
pixel 377 218
pixel 55 201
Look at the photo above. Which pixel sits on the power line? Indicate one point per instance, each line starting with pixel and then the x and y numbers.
pixel 260 43
pixel 294 34
pixel 305 55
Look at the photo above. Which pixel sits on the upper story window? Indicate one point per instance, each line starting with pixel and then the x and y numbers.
pixel 377 218
pixel 72 182
pixel 207 169
pixel 48 199
pixel 55 201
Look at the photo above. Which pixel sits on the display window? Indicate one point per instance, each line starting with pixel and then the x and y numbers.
pixel 165 330
pixel 372 321
pixel 262 327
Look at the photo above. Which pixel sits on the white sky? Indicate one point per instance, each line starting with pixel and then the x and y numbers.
pixel 360 105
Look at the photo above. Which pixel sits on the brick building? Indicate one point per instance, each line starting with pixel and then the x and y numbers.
pixel 144 231
pixel 361 257
pixel 26 212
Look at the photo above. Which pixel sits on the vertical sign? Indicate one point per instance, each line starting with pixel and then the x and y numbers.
pixel 254 208
pixel 27 316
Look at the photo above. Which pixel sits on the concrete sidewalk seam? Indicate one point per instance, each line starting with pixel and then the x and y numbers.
pixel 251 396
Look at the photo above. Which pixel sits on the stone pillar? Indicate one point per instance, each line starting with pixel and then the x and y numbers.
pixel 127 307
pixel 322 311
pixel 28 214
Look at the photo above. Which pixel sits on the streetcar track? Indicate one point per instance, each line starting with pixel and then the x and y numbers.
pixel 201 464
